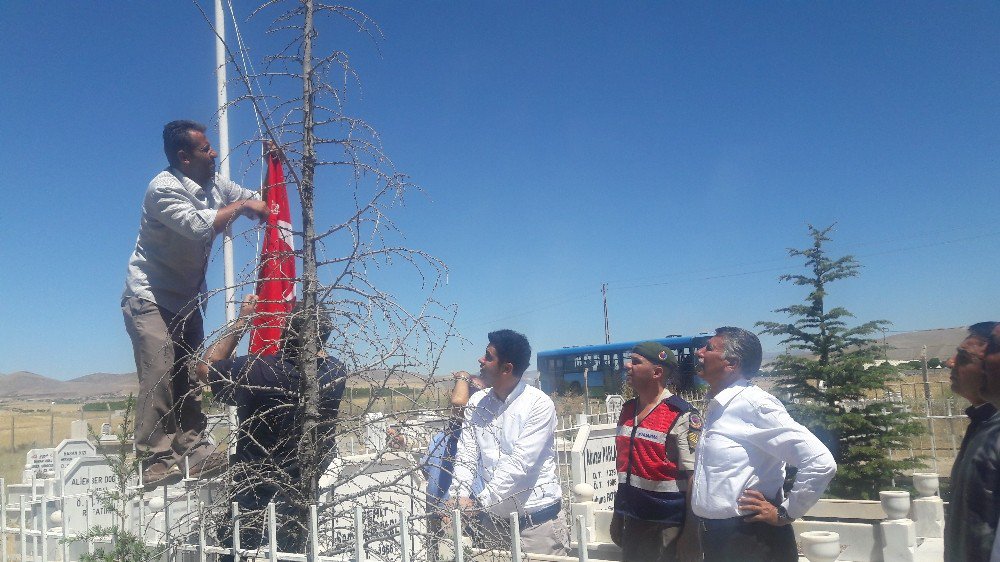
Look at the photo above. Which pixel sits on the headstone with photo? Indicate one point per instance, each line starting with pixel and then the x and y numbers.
pixel 39 463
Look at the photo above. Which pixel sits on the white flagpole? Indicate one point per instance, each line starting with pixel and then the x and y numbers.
pixel 227 236
pixel 223 99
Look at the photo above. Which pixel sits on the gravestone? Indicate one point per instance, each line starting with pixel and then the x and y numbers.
pixel 39 463
pixel 382 486
pixel 613 404
pixel 85 481
pixel 70 449
pixel 375 432
pixel 593 461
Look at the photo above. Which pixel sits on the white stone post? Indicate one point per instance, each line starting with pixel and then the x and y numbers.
pixel 928 509
pixel 583 505
pixel 899 534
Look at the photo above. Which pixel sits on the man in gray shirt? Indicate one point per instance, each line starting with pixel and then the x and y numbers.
pixel 185 206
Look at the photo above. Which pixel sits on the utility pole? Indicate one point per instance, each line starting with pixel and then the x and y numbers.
pixel 607 329
pixel 927 382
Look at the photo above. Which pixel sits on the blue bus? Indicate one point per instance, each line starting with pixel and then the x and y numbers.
pixel 561 370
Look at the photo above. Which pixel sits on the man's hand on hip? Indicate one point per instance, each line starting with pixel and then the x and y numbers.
pixel 763 510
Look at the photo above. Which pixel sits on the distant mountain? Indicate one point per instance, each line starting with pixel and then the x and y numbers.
pixel 32 386
pixel 941 343
pixel 907 346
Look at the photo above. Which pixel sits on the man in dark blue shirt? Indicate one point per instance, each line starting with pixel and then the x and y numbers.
pixel 438 463
pixel 265 391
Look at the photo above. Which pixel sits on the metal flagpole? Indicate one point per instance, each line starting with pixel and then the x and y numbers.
pixel 223 99
pixel 227 235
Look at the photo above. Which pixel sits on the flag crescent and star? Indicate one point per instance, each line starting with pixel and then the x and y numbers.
pixel 276 276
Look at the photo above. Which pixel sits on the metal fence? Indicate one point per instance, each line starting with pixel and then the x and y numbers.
pixel 40 535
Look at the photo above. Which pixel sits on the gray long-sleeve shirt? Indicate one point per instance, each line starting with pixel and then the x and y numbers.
pixel 175 239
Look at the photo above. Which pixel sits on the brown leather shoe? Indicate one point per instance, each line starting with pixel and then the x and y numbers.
pixel 159 474
pixel 213 464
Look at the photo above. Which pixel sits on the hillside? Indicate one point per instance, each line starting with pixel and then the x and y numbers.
pixel 32 386
pixel 941 343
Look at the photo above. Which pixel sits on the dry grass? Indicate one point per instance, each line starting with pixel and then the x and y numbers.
pixel 38 425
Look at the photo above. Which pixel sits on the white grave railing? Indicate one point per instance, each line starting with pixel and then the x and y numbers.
pixel 379 514
pixel 36 541
pixel 379 511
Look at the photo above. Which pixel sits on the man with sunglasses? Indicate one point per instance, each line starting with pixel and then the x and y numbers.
pixel 184 207
pixel 971 519
pixel 747 440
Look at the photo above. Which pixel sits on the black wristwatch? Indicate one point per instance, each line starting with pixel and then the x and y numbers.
pixel 783 514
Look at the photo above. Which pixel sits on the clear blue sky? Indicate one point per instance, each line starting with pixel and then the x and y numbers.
pixel 671 150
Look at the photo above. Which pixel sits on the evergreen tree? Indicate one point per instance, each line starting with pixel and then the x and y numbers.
pixel 828 389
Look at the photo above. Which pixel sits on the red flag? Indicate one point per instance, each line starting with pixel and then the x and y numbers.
pixel 276 279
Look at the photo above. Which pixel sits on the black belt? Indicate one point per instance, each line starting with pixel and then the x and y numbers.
pixel 537 517
pixel 540 516
pixel 723 524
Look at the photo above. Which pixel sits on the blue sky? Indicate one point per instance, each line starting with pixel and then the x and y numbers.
pixel 671 150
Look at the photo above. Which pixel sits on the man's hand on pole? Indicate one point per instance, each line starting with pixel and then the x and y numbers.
pixel 255 209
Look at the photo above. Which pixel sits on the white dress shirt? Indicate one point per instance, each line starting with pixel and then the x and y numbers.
pixel 747 439
pixel 510 445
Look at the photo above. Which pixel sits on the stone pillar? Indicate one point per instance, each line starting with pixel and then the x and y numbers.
pixel 584 504
pixel 79 429
pixel 928 509
pixel 899 533
pixel 899 540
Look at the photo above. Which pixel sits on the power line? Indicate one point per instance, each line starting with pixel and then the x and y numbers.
pixel 684 278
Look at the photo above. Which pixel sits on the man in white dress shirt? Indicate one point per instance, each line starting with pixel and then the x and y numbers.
pixel 746 441
pixel 508 442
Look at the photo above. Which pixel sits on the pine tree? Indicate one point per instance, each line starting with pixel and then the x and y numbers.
pixel 826 385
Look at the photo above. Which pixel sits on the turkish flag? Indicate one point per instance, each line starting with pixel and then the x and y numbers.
pixel 276 277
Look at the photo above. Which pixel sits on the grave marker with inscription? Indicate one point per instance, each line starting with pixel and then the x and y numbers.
pixel 613 403
pixel 71 449
pixel 85 481
pixel 381 487
pixel 39 463
pixel 593 460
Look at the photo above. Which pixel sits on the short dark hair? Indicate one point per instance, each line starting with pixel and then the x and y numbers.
pixel 512 348
pixel 291 341
pixel 984 330
pixel 742 348
pixel 177 136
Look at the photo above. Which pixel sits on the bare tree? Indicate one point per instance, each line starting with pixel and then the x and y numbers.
pixel 388 341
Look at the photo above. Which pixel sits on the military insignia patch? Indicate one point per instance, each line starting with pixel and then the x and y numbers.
pixel 693 440
pixel 694 422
